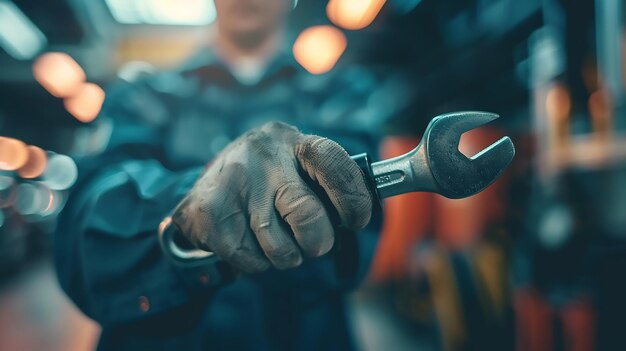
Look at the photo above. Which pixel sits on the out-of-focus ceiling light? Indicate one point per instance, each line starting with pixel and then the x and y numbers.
pixel 59 74
pixel 61 172
pixel 558 103
pixel 36 164
pixel 163 12
pixel 319 48
pixel 353 14
pixel 13 154
pixel 600 110
pixel 19 37
pixel 32 199
pixel 85 105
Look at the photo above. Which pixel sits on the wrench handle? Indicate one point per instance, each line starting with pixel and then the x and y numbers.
pixel 182 254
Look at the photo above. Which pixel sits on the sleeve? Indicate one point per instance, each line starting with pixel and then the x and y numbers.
pixel 107 253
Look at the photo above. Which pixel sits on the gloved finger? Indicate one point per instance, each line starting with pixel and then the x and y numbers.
pixel 224 230
pixel 327 163
pixel 246 254
pixel 307 217
pixel 275 239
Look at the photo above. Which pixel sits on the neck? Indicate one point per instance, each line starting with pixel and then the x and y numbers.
pixel 233 50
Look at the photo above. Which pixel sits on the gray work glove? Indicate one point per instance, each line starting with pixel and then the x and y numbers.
pixel 253 208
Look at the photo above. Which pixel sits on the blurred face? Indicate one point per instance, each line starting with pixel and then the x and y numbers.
pixel 249 21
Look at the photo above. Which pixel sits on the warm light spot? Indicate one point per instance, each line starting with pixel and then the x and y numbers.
pixel 601 111
pixel 319 48
pixel 85 105
pixel 36 164
pixel 13 154
pixel 353 14
pixel 59 74
pixel 599 105
pixel 558 103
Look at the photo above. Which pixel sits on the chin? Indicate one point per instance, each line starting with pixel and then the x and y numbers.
pixel 247 28
pixel 250 36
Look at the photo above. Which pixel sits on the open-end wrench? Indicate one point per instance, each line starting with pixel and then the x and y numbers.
pixel 435 165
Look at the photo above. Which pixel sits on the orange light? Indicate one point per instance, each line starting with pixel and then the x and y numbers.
pixel 558 103
pixel 85 105
pixel 599 105
pixel 319 48
pixel 36 164
pixel 13 154
pixel 353 14
pixel 58 73
pixel 601 111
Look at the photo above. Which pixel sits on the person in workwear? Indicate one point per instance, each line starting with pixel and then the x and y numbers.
pixel 200 143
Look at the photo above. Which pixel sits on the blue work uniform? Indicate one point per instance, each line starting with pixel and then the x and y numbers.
pixel 165 128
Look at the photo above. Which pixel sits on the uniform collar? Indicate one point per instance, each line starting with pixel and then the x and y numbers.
pixel 206 62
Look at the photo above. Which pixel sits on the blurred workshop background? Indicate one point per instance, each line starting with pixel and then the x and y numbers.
pixel 536 262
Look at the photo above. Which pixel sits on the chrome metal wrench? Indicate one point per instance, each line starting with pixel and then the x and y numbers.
pixel 435 165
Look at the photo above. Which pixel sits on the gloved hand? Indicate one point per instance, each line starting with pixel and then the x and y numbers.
pixel 253 208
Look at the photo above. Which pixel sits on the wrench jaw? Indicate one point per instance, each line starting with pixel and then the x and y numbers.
pixel 456 175
pixel 460 122
pixel 493 160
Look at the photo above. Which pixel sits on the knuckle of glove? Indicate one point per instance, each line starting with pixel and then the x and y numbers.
pixel 284 257
pixel 269 139
pixel 328 163
pixel 292 198
pixel 304 213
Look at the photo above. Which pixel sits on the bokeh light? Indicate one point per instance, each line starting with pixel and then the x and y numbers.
pixel 599 105
pixel 558 103
pixel 36 164
pixel 601 110
pixel 13 154
pixel 85 105
pixel 19 36
pixel 32 199
pixel 55 204
pixel 319 48
pixel 163 12
pixel 353 14
pixel 61 172
pixel 59 74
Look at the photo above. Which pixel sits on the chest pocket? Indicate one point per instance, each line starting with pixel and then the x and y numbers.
pixel 197 137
